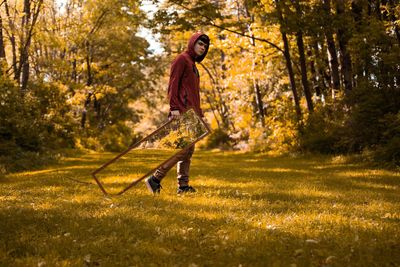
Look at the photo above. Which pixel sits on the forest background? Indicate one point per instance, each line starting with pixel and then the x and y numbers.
pixel 281 76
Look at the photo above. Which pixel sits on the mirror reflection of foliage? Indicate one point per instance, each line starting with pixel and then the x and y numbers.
pixel 178 134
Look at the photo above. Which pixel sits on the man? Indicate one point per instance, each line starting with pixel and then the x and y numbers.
pixel 183 93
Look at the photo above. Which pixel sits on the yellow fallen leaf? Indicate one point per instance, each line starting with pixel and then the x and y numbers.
pixel 298 252
pixel 330 259
pixel 87 258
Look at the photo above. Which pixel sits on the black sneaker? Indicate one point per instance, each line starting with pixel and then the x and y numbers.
pixel 185 189
pixel 153 185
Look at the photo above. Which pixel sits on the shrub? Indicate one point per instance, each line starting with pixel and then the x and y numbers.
pixel 32 124
pixel 218 139
pixel 322 130
pixel 37 120
pixel 364 127
pixel 116 137
pixel 389 150
pixel 281 132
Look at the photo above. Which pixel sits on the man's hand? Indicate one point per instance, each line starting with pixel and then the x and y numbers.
pixel 174 115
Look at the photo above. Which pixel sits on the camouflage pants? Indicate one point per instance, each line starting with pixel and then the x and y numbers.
pixel 182 161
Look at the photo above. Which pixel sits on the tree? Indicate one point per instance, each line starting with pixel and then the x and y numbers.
pixel 332 52
pixel 344 34
pixel 24 30
pixel 288 59
pixel 303 64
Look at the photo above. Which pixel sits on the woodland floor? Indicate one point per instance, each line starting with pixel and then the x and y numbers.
pixel 250 210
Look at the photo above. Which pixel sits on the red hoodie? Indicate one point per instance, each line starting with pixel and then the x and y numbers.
pixel 184 81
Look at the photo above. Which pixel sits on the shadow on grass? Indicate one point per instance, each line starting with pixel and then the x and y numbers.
pixel 292 173
pixel 165 237
pixel 250 210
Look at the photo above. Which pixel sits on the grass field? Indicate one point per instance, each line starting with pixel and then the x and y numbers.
pixel 250 210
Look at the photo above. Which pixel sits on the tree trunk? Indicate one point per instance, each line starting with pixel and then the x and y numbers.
pixel 221 107
pixel 259 102
pixel 303 65
pixel 25 74
pixel 288 62
pixel 256 86
pixel 291 75
pixel 316 77
pixel 258 97
pixel 74 74
pixel 321 64
pixel 2 49
pixel 23 69
pixel 89 81
pixel 345 58
pixel 85 107
pixel 332 53
pixel 363 67
pixel 11 37
pixel 28 23
pixel 257 94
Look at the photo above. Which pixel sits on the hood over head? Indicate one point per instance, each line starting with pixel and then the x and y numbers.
pixel 192 42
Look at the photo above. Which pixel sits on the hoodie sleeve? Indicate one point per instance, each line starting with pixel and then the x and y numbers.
pixel 177 70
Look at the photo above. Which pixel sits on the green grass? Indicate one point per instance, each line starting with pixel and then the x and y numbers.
pixel 250 210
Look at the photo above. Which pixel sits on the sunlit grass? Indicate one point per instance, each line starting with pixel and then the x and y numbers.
pixel 250 210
